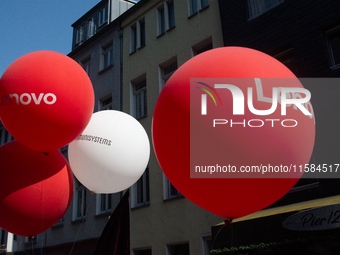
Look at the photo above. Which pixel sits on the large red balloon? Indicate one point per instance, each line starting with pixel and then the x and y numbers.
pixel 35 189
pixel 46 100
pixel 248 146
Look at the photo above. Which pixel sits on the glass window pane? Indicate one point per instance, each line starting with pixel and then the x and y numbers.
pixel 204 3
pixel 140 191
pixel 147 190
pixel 171 15
pixel 192 7
pixel 142 33
pixel 102 202
pixel 109 201
pixel 162 21
pixel 79 203
pixel 335 44
pixel 138 105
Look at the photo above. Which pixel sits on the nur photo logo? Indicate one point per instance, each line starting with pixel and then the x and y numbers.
pixel 297 98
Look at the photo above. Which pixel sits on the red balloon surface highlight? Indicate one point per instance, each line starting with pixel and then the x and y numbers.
pixel 35 190
pixel 46 100
pixel 226 197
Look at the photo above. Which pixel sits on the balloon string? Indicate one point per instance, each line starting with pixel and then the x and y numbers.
pixel 227 223
pixel 81 224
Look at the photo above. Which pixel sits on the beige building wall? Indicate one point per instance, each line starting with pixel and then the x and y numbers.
pixel 177 220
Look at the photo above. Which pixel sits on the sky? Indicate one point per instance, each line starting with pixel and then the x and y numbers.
pixel 32 25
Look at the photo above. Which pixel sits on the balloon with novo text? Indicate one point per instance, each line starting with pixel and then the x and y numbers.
pixel 227 133
pixel 46 100
pixel 111 154
pixel 35 189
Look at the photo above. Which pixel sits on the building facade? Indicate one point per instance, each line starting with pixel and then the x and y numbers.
pixel 305 36
pixel 158 37
pixel 96 46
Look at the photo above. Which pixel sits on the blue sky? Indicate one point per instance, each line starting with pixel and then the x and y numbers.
pixel 33 25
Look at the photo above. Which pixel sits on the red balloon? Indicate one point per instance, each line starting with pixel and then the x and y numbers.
pixel 46 100
pixel 35 189
pixel 175 142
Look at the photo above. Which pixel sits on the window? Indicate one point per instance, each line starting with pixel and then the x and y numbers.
pixel 140 191
pixel 141 33
pixel 195 5
pixel 139 107
pixel 288 59
pixel 192 6
pixel 137 35
pixel 333 41
pixel 142 252
pixel 161 20
pixel 166 69
pixel 86 63
pixel 103 14
pixel 3 238
pixel 171 14
pixel 258 7
pixel 5 136
pixel 165 17
pixel 79 204
pixel 133 41
pixel 107 55
pixel 178 249
pixel 105 103
pixel 104 203
pixel 169 191
pixel 1 135
pixel 202 46
pixel 80 34
pixel 206 244
pixel 91 26
pixel 59 223
pixel 31 239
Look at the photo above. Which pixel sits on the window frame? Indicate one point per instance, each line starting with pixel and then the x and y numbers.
pixel 145 180
pixel 79 188
pixel 136 92
pixel 205 45
pixel 106 103
pixel 330 33
pixel 106 56
pixel 169 248
pixel 139 250
pixel 165 17
pixel 205 246
pixel 133 38
pixel 167 190
pixel 91 26
pixel 108 203
pixel 285 56
pixel 163 77
pixel 80 34
pixel 86 64
pixel 195 6
pixel 137 35
pixel 31 240
pixel 102 19
pixel 252 13
pixel 5 136
pixel 192 8
pixel 161 20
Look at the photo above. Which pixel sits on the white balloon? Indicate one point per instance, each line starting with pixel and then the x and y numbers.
pixel 111 154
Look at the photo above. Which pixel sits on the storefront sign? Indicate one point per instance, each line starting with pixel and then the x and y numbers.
pixel 320 218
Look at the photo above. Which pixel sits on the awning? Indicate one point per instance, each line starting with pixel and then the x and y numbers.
pixel 263 233
pixel 289 208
